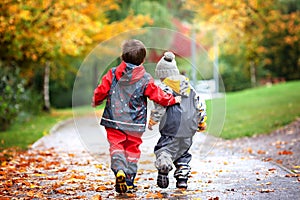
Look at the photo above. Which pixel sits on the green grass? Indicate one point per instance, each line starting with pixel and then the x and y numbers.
pixel 23 134
pixel 261 110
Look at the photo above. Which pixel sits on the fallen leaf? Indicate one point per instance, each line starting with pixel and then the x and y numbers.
pixel 295 171
pixel 285 152
pixel 30 193
pixel 213 198
pixel 261 152
pixel 250 150
pixel 102 188
pixel 146 186
pixel 98 166
pixel 292 175
pixel 157 195
pixel 268 159
pixel 266 190
pixel 64 169
pixel 279 161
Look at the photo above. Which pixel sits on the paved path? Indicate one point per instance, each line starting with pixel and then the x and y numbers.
pixel 217 172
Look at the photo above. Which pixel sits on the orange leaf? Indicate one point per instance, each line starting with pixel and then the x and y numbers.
pixel 102 188
pixel 292 175
pixel 96 197
pixel 268 159
pixel 285 152
pixel 250 150
pixel 261 152
pixel 64 169
pixel 157 195
pixel 279 161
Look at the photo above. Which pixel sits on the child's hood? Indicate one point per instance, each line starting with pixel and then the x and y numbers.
pixel 179 84
pixel 129 77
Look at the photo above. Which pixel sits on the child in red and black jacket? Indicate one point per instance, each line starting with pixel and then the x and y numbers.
pixel 126 88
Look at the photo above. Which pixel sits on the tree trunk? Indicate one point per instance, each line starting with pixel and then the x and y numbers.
pixel 253 74
pixel 46 88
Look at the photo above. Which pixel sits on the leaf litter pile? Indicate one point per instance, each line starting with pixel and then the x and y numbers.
pixel 44 174
pixel 40 174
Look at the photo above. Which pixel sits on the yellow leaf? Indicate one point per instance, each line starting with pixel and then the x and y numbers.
pixel 25 14
pixel 99 166
pixel 4 163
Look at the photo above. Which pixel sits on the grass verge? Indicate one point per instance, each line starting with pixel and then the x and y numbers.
pixel 24 133
pixel 261 110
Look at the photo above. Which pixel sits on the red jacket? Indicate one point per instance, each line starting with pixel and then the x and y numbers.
pixel 135 114
pixel 152 91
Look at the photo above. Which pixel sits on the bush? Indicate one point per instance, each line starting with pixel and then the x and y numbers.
pixel 235 80
pixel 12 95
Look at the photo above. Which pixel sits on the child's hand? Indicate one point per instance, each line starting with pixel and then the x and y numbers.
pixel 202 124
pixel 150 124
pixel 178 99
pixel 201 127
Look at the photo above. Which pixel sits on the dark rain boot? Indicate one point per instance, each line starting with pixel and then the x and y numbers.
pixel 164 165
pixel 181 174
pixel 181 183
pixel 130 181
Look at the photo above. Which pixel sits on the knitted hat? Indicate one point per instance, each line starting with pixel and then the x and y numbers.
pixel 166 66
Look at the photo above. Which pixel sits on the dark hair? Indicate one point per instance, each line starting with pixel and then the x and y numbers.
pixel 133 51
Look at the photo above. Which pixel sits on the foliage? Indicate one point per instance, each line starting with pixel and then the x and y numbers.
pixel 33 33
pixel 235 75
pixel 11 98
pixel 235 80
pixel 269 29
pixel 40 31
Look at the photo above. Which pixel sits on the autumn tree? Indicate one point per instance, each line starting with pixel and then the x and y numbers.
pixel 263 33
pixel 36 35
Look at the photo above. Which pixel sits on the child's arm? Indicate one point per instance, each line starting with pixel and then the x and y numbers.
pixel 156 115
pixel 201 107
pixel 100 93
pixel 156 94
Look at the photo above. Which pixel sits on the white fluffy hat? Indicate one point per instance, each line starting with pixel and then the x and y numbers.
pixel 166 66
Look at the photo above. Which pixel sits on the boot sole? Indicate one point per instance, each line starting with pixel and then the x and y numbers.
pixel 121 186
pixel 162 180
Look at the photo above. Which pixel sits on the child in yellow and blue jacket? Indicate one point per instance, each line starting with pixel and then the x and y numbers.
pixel 178 123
